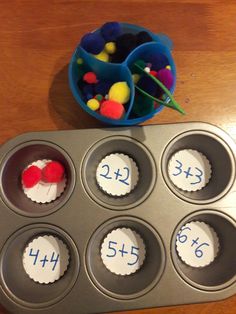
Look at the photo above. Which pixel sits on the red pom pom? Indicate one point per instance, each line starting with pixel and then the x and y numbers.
pixel 90 78
pixel 53 172
pixel 31 176
pixel 154 73
pixel 112 109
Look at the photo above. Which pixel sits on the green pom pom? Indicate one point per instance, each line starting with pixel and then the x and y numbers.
pixel 135 69
pixel 142 106
pixel 99 97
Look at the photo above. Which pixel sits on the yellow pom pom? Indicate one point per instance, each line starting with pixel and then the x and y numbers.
pixel 136 78
pixel 93 104
pixel 80 61
pixel 168 67
pixel 110 47
pixel 119 92
pixel 102 56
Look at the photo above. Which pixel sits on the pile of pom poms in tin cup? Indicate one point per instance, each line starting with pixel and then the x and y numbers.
pixel 151 74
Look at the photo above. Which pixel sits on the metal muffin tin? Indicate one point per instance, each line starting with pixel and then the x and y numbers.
pixel 83 215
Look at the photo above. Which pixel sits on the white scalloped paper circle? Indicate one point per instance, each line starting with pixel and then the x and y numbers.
pixel 123 251
pixel 197 244
pixel 117 174
pixel 46 259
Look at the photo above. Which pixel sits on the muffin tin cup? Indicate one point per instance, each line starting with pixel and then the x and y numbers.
pixel 20 288
pixel 127 146
pixel 221 273
pixel 136 284
pixel 16 161
pixel 220 157
pixel 120 71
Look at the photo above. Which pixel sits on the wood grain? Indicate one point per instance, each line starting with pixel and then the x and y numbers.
pixel 38 37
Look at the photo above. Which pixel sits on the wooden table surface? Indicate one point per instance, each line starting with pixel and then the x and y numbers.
pixel 38 37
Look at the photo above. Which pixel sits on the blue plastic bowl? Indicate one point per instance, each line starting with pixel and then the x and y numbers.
pixel 105 70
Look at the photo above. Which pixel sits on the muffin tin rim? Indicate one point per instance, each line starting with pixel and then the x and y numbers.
pixel 210 293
